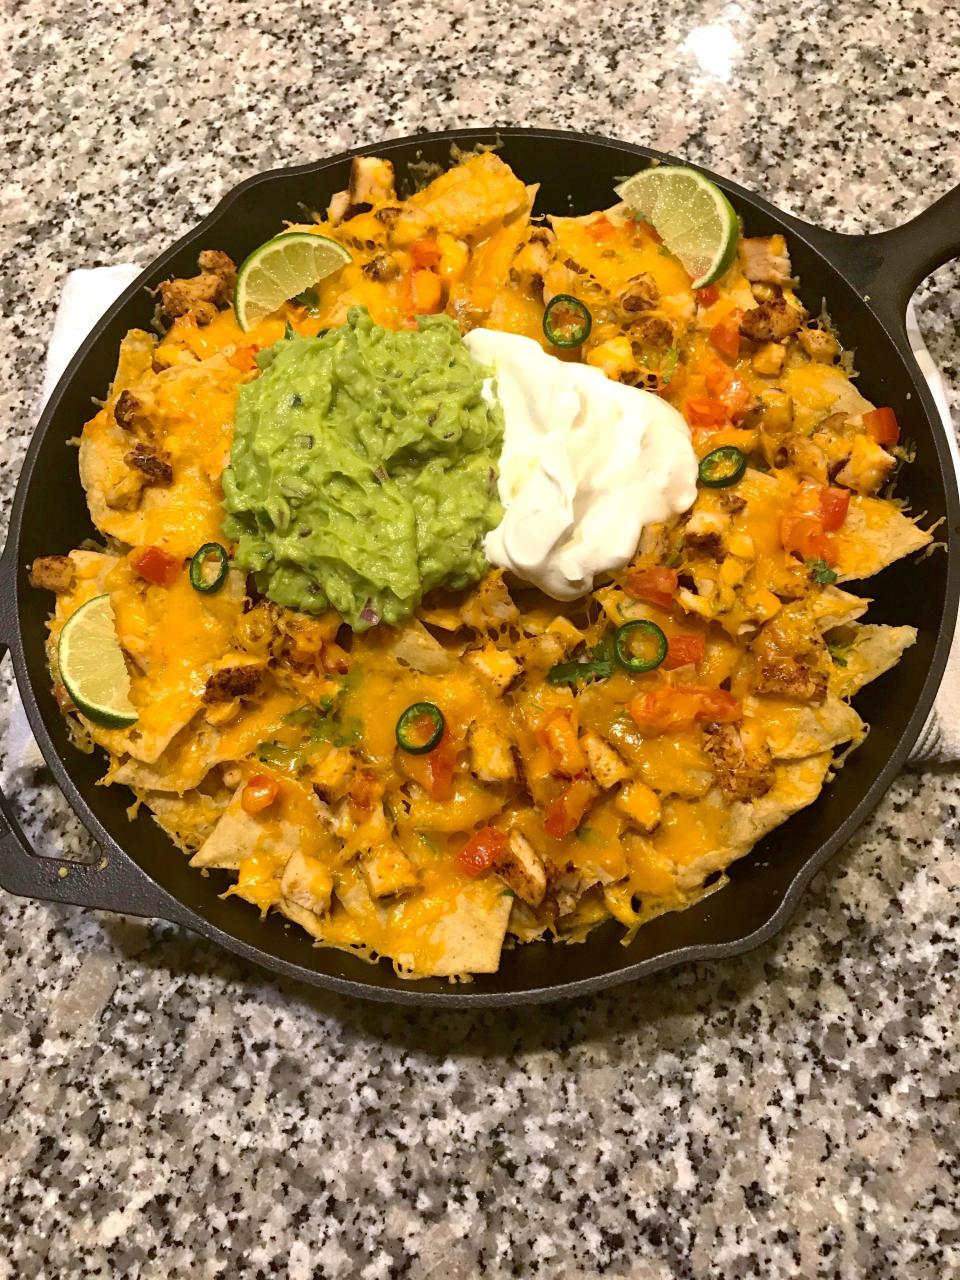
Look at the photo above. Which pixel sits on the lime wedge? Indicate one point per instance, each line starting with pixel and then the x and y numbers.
pixel 691 214
pixel 92 666
pixel 282 268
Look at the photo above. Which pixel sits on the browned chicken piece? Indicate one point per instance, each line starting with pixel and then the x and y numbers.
pixel 532 260
pixel 741 772
pixel 651 333
pixel 128 411
pixel 789 678
pixel 704 532
pixel 797 451
pixel 771 321
pixel 819 345
pixel 371 182
pixel 232 682
pixel 52 573
pixel 383 267
pixel 154 464
pixel 203 294
pixel 522 870
pixel 868 467
pixel 765 259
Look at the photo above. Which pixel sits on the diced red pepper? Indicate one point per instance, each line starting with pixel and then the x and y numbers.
pixel 706 413
pixel 804 535
pixel 883 426
pixel 259 794
pixel 425 290
pixel 601 228
pixel 655 585
pixel 707 296
pixel 441 762
pixel 425 252
pixel 564 813
pixel 682 650
pixel 559 738
pixel 834 505
pixel 155 565
pixel 244 358
pixel 482 852
pixel 725 335
pixel 682 706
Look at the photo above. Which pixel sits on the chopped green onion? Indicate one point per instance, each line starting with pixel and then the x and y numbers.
pixel 566 321
pixel 722 467
pixel 647 632
pixel 420 728
pixel 210 551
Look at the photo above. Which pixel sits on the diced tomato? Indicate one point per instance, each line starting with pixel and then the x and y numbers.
pixel 708 414
pixel 601 228
pixel 883 426
pixel 707 296
pixel 155 565
pixel 564 813
pixel 682 650
pixel 259 794
pixel 425 252
pixel 725 335
pixel 656 585
pixel 682 706
pixel 244 358
pixel 725 386
pixel 804 535
pixel 482 851
pixel 425 292
pixel 834 505
pixel 441 762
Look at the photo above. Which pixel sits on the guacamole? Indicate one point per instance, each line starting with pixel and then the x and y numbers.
pixel 363 469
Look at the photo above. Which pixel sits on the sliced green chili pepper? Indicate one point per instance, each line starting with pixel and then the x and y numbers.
pixel 722 467
pixel 650 633
pixel 420 728
pixel 566 321
pixel 198 579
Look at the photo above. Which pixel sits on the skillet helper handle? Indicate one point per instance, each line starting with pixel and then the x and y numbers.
pixel 887 267
pixel 113 884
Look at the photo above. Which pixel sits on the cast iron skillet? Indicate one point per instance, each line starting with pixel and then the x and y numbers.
pixel 867 282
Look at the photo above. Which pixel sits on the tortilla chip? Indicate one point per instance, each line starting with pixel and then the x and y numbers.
pixel 832 607
pixel 874 535
pixel 190 819
pixel 238 835
pixel 306 919
pixel 864 652
pixel 413 646
pixel 134 360
pixel 793 730
pixel 470 936
pixel 190 410
pixel 798 784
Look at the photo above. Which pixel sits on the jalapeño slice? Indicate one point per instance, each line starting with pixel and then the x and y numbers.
pixel 722 467
pixel 420 728
pixel 566 321
pixel 216 555
pixel 640 645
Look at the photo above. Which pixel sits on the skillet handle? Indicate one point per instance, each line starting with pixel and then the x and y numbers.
pixel 887 267
pixel 114 884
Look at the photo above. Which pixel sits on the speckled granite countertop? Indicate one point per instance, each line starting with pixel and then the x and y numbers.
pixel 166 1112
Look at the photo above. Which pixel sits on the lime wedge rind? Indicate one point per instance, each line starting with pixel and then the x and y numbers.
pixel 92 666
pixel 282 268
pixel 692 215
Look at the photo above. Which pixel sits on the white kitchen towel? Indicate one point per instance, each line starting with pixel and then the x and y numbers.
pixel 88 292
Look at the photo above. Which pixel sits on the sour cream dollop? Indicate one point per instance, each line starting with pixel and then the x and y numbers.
pixel 586 464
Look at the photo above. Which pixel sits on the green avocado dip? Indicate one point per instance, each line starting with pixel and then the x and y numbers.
pixel 363 469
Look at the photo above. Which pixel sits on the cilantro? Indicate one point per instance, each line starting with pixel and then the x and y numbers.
pixel 821 572
pixel 309 299
pixel 598 663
